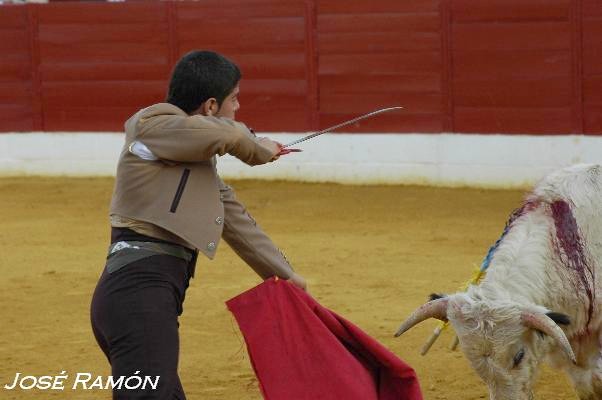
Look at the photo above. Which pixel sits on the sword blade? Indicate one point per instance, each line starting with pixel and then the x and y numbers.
pixel 342 124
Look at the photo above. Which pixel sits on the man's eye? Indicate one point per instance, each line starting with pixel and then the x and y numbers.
pixel 518 357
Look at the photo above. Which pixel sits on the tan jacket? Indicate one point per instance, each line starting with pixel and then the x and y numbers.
pixel 182 193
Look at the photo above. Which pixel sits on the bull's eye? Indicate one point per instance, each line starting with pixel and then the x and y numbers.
pixel 518 357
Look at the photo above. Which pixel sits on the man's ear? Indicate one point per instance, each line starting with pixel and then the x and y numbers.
pixel 210 107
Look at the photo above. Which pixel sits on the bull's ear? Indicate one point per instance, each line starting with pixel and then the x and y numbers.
pixel 559 318
pixel 436 296
pixel 545 323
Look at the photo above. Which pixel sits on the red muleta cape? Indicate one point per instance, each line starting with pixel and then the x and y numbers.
pixel 303 351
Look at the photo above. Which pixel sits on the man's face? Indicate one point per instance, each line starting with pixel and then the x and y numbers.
pixel 230 105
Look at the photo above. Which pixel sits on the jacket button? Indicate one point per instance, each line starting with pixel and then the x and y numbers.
pixel 219 220
pixel 211 246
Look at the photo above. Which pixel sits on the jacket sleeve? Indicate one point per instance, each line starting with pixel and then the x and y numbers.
pixel 249 241
pixel 197 138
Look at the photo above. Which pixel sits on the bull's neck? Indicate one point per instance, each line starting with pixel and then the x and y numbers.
pixel 526 268
pixel 519 269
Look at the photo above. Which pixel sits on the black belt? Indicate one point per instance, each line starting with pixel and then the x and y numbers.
pixel 125 252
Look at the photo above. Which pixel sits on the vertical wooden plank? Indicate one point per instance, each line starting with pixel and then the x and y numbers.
pixel 447 65
pixel 577 53
pixel 311 61
pixel 172 24
pixel 36 83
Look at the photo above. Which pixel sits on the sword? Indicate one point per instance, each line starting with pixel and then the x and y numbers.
pixel 332 128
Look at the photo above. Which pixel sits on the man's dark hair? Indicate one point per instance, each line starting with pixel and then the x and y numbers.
pixel 200 75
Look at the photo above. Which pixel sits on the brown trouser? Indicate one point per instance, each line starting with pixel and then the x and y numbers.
pixel 134 316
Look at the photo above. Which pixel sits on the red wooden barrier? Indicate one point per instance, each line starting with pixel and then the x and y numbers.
pixel 16 72
pixel 514 66
pixel 375 55
pixel 267 40
pixel 100 62
pixel 592 66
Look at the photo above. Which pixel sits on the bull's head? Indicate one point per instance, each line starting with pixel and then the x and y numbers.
pixel 503 341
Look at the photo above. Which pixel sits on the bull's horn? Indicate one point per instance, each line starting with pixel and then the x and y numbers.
pixel 432 309
pixel 545 324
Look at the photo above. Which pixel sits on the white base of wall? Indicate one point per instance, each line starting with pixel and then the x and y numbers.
pixel 429 159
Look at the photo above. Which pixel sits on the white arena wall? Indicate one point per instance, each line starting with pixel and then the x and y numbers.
pixel 428 159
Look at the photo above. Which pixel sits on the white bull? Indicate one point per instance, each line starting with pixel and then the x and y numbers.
pixel 541 298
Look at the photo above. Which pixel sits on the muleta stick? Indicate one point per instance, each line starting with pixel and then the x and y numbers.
pixel 342 124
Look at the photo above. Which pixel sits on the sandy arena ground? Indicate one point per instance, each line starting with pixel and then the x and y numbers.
pixel 372 254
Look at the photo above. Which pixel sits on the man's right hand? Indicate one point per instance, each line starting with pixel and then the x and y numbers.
pixel 273 146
